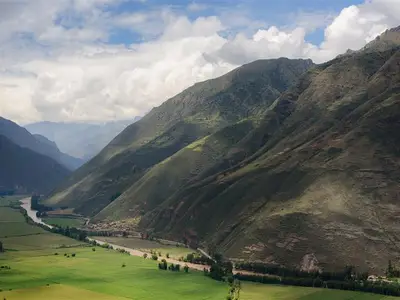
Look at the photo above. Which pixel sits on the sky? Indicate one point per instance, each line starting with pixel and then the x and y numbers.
pixel 101 60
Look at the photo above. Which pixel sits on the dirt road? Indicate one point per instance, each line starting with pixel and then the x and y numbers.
pixel 138 253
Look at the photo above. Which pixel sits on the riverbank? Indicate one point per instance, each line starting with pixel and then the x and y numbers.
pixel 26 205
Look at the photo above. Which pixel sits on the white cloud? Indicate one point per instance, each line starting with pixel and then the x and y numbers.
pixel 71 73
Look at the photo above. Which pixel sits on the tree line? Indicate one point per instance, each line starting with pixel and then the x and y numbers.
pixel 348 272
pixel 348 279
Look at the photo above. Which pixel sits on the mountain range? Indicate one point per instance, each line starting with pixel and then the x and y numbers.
pixel 25 171
pixel 37 143
pixel 279 160
pixel 80 140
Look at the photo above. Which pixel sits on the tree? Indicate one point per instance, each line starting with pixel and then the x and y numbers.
pixel 218 257
pixel 389 271
pixel 190 257
pixel 163 265
pixel 1 247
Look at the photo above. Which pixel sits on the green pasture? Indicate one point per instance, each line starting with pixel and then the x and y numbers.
pixel 48 266
pixel 64 221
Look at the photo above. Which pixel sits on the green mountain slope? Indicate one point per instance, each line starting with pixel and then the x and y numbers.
pixel 197 112
pixel 266 163
pixel 26 170
pixel 37 143
pixel 322 187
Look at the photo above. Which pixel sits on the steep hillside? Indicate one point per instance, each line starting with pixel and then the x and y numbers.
pixel 238 99
pixel 322 187
pixel 314 180
pixel 80 140
pixel 27 170
pixel 39 144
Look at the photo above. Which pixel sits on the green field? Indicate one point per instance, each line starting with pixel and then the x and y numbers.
pixel 64 221
pixel 38 273
pixel 16 234
pixel 11 200
pixel 59 292
pixel 102 272
pixel 271 292
pixel 146 246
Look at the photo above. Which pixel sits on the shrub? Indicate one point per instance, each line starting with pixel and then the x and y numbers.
pixel 167 255
pixel 123 265
pixel 73 254
pixel 159 253
pixel 163 265
pixel 154 257
pixel 93 249
pixel 190 257
pixel 56 253
pixel 186 269
pixel 145 255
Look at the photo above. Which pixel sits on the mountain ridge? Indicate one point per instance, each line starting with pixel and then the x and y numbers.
pixel 193 114
pixel 80 140
pixel 39 144
pixel 272 167
pixel 27 171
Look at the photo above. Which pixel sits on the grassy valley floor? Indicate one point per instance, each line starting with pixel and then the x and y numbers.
pixel 47 266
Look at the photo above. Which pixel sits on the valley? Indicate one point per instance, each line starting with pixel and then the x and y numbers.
pixel 51 266
pixel 192 150
pixel 281 161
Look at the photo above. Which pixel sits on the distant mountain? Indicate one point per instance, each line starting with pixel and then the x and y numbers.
pixel 80 140
pixel 70 162
pixel 26 170
pixel 37 143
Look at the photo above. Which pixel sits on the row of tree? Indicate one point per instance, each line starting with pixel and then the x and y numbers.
pixel 348 279
pixel 197 259
pixel 35 205
pixel 71 232
pixel 348 273
pixel 163 265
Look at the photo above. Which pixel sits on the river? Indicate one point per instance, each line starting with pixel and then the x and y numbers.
pixel 26 205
